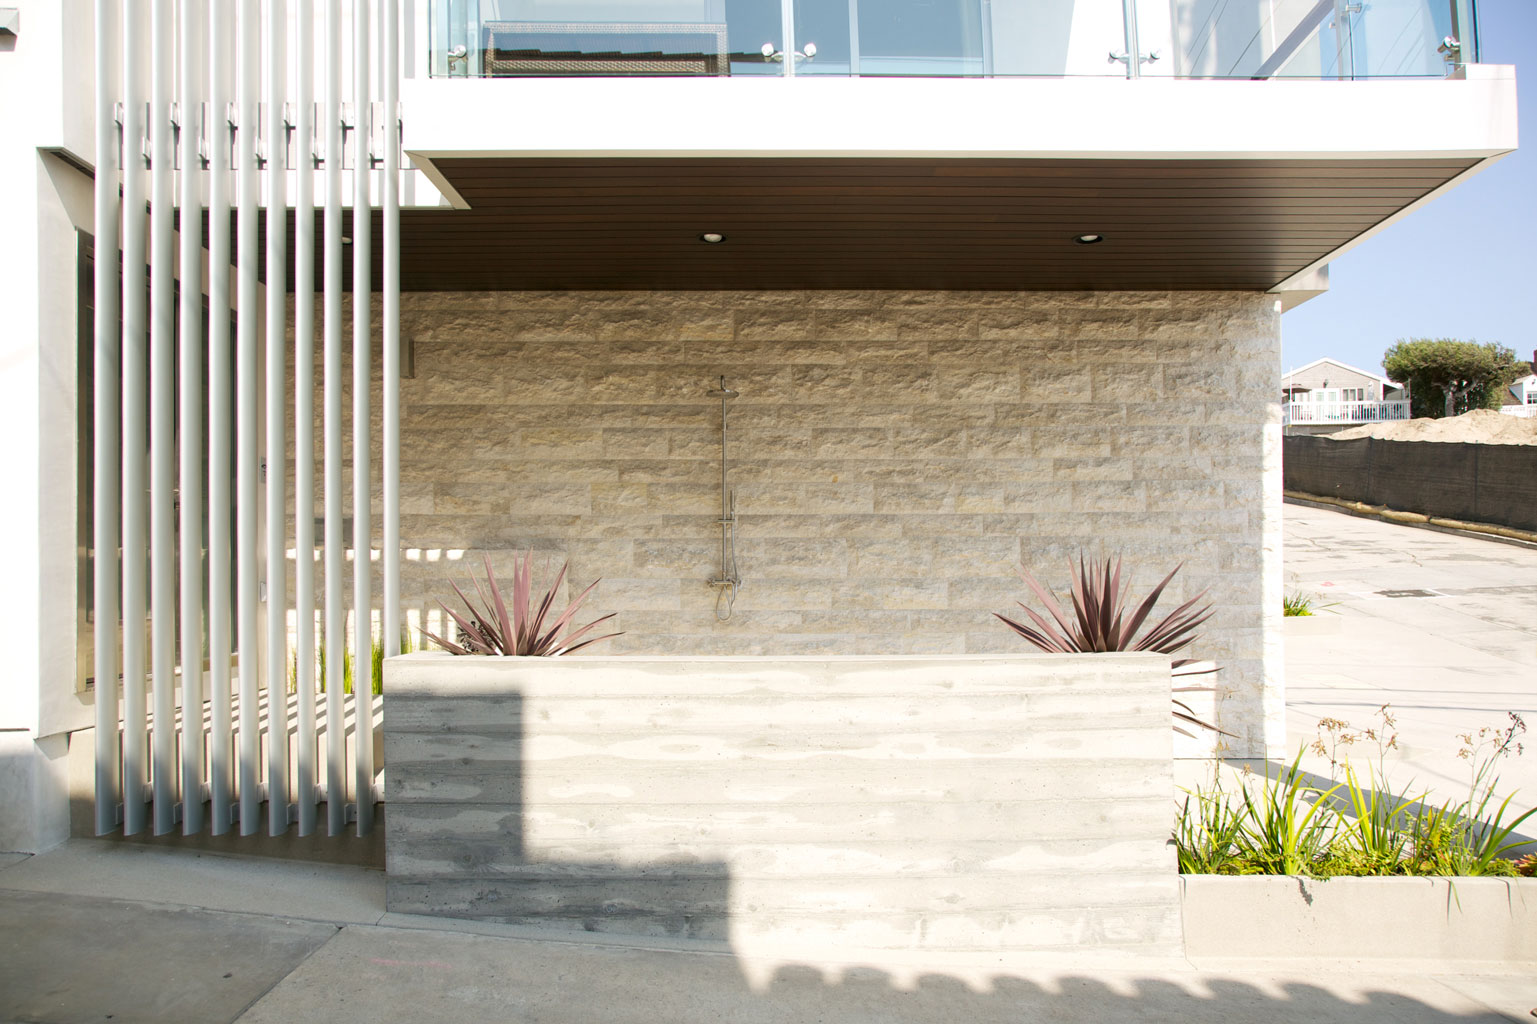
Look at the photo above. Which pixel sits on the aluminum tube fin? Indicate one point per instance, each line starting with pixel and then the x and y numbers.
pixel 334 635
pixel 106 374
pixel 135 412
pixel 362 343
pixel 221 426
pixel 277 416
pixel 190 404
pixel 248 617
pixel 304 414
pixel 390 447
pixel 164 771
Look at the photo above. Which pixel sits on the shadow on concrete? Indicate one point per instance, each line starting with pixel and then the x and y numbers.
pixel 473 979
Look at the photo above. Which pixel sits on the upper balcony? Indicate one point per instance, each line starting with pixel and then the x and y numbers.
pixel 1241 39
pixel 1196 144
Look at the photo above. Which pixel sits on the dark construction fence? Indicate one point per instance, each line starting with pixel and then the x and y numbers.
pixel 1480 483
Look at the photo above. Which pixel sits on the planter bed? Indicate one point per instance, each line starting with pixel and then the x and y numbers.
pixel 957 802
pixel 1277 916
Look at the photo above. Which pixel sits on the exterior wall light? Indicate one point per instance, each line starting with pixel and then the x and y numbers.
pixel 1088 238
pixel 712 237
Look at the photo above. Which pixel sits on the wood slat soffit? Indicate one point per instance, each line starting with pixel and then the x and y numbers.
pixel 899 223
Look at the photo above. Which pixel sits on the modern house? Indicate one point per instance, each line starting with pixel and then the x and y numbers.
pixel 993 283
pixel 1327 395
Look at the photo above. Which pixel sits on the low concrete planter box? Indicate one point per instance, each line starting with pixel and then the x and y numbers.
pixel 959 802
pixel 1322 624
pixel 1274 916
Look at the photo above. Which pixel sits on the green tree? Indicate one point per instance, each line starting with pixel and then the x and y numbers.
pixel 1448 377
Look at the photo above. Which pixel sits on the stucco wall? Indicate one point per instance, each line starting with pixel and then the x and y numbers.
pixel 895 456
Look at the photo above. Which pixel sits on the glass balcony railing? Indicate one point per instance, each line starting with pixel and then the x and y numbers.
pixel 1320 39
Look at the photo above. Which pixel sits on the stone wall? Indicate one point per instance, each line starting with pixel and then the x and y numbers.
pixel 942 803
pixel 895 457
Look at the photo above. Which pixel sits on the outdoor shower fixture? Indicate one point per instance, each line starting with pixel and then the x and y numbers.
pixel 729 581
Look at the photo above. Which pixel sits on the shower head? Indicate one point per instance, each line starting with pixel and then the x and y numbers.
pixel 722 391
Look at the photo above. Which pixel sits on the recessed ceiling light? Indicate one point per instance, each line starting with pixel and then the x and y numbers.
pixel 1088 238
pixel 712 237
pixel 346 240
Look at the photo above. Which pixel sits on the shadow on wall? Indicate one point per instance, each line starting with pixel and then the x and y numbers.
pixel 471 858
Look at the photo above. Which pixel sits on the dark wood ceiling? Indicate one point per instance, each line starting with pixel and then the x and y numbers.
pixel 898 223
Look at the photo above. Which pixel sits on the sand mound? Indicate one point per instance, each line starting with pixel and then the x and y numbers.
pixel 1482 426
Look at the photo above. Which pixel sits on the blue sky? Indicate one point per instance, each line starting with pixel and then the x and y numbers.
pixel 1464 266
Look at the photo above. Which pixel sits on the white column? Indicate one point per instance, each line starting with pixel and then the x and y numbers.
pixel 135 408
pixel 189 102
pixel 362 284
pixel 220 423
pixel 162 405
pixel 335 639
pixel 248 45
pixel 277 414
pixel 391 348
pixel 304 412
pixel 106 378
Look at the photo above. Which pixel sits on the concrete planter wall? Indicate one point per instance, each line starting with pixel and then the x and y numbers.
pixel 1486 919
pixel 923 802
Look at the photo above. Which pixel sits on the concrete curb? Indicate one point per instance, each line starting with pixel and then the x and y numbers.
pixel 1481 531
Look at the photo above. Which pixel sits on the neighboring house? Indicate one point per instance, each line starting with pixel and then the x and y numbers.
pixel 1327 395
pixel 986 296
pixel 1520 399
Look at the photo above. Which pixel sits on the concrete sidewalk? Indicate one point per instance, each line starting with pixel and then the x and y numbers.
pixel 99 930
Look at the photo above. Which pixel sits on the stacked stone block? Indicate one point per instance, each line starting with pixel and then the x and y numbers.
pixel 895 457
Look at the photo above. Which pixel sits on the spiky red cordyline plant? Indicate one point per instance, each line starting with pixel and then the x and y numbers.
pixel 1100 623
pixel 491 629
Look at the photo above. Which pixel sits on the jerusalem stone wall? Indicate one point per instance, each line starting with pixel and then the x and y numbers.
pixel 895 457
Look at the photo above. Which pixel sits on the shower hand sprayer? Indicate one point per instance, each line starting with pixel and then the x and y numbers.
pixel 729 581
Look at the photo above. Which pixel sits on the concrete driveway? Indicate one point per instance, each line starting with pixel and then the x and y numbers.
pixel 1442 628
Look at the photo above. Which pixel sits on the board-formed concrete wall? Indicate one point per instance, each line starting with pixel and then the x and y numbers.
pixel 913 802
pixel 895 456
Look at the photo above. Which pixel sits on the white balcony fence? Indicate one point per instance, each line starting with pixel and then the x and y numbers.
pixel 209 754
pixel 1307 413
pixel 1524 411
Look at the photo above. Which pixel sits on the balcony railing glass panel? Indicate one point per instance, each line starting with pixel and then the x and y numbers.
pixel 605 38
pixel 952 38
pixel 960 38
pixel 1340 39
